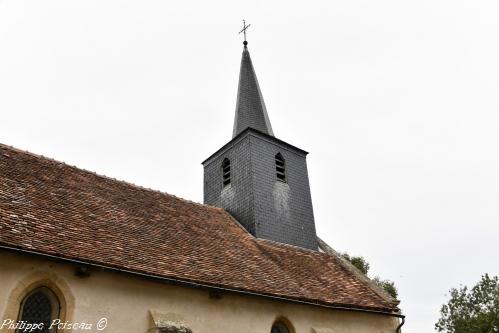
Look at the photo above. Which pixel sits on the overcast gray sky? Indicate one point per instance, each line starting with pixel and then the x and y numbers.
pixel 396 101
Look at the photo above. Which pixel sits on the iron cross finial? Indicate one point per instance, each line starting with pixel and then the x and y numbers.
pixel 245 27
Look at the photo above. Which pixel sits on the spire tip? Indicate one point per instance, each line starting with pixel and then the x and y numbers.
pixel 245 27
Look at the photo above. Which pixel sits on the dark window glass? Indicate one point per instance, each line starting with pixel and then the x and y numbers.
pixel 175 330
pixel 280 167
pixel 37 308
pixel 226 171
pixel 279 327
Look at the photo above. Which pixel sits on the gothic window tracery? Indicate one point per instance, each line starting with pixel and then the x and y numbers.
pixel 39 306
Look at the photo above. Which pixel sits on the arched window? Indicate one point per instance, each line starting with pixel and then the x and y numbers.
pixel 40 306
pixel 226 171
pixel 280 327
pixel 280 167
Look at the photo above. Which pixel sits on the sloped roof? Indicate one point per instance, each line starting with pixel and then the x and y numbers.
pixel 50 208
pixel 250 107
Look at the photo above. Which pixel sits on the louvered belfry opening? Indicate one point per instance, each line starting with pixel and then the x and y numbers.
pixel 280 167
pixel 226 171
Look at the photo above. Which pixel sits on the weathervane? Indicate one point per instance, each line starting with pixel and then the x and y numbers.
pixel 245 27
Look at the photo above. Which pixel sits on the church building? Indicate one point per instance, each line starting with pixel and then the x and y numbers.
pixel 81 252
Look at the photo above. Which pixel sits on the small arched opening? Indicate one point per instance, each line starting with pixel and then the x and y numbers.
pixel 40 306
pixel 282 325
pixel 226 172
pixel 280 167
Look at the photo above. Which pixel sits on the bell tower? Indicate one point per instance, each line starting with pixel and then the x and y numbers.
pixel 259 179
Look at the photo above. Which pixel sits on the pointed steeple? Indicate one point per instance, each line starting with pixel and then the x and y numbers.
pixel 250 107
pixel 260 180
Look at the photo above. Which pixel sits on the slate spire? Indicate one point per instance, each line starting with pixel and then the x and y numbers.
pixel 250 107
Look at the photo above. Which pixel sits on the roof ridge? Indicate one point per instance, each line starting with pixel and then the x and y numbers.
pixel 363 279
pixel 94 173
pixel 358 274
pixel 293 247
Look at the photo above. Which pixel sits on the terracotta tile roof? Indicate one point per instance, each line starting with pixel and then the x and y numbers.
pixel 51 208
